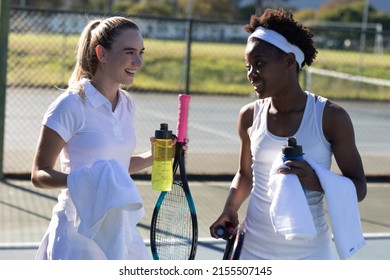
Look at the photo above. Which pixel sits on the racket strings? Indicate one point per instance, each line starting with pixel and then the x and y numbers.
pixel 173 232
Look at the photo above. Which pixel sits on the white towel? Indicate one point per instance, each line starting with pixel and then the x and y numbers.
pixel 289 211
pixel 343 209
pixel 109 207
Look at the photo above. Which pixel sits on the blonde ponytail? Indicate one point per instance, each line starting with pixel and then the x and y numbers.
pixel 84 56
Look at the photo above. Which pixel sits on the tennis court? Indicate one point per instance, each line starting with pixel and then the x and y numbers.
pixel 25 213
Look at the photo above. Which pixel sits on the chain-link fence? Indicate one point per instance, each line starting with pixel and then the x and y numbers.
pixel 205 59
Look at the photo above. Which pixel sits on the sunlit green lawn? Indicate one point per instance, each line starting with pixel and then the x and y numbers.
pixel 48 60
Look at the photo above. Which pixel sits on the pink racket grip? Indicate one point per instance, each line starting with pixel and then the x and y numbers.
pixel 182 117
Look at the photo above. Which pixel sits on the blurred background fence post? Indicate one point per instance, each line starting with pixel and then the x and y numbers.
pixel 4 27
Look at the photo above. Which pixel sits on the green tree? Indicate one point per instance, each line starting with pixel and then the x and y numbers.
pixel 344 11
pixel 216 10
pixel 145 7
pixel 198 9
pixel 341 10
pixel 305 14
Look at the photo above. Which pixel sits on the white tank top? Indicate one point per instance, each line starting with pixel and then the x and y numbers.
pixel 261 239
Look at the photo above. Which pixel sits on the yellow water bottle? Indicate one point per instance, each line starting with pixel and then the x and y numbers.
pixel 162 173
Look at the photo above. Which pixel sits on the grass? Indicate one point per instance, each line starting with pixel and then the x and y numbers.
pixel 47 60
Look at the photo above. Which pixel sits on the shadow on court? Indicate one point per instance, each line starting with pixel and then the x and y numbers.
pixel 25 213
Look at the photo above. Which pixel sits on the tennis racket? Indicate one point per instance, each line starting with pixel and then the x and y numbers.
pixel 174 225
pixel 234 240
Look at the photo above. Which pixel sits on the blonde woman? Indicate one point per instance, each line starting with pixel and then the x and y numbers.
pixel 93 122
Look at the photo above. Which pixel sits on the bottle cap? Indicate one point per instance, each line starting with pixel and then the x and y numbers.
pixel 163 132
pixel 292 149
pixel 220 231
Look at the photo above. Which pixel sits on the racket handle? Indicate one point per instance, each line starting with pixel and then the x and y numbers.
pixel 182 117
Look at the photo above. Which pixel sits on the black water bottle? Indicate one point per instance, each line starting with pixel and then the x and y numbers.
pixel 292 151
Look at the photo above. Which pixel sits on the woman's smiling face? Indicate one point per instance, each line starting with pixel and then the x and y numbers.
pixel 266 67
pixel 125 56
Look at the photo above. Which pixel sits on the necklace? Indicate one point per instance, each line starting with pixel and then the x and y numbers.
pixel 98 87
pixel 114 102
